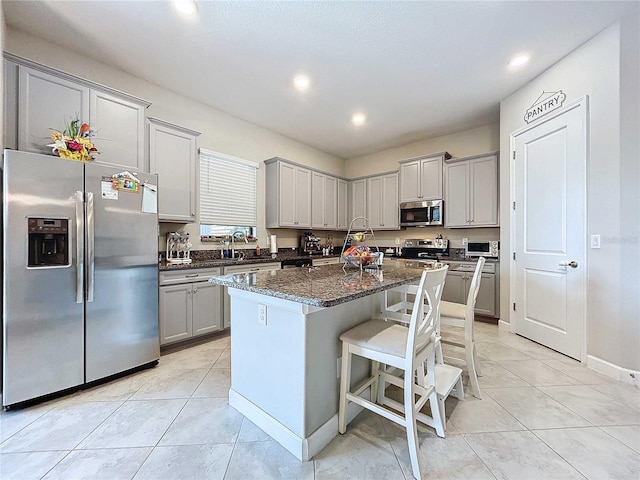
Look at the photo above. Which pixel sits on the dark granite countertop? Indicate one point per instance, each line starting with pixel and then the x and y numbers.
pixel 225 262
pixel 324 286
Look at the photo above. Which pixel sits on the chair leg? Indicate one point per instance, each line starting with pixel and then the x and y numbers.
pixel 459 389
pixel 475 358
pixel 382 386
pixel 436 403
pixel 410 423
pixel 345 386
pixel 471 366
pixel 375 366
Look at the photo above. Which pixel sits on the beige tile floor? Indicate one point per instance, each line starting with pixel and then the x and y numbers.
pixel 542 416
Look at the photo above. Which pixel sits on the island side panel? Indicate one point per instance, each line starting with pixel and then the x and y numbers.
pixel 267 361
pixel 323 348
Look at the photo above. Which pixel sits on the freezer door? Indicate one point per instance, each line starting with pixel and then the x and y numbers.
pixel 43 333
pixel 122 278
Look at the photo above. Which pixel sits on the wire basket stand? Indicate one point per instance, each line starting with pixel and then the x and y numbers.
pixel 373 261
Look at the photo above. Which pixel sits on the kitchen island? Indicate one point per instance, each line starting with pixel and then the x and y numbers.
pixel 285 350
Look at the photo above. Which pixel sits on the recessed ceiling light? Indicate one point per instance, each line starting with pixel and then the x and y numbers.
pixel 188 7
pixel 359 119
pixel 519 60
pixel 301 83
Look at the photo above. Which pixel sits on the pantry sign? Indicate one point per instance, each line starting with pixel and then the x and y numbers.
pixel 547 102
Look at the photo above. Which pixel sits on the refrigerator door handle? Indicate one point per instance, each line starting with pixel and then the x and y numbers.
pixel 90 247
pixel 79 246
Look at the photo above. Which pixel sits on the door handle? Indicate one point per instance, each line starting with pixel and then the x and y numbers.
pixel 572 264
pixel 79 247
pixel 91 261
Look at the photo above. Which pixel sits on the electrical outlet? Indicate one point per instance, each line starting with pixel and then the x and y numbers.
pixel 464 241
pixel 397 241
pixel 595 241
pixel 262 314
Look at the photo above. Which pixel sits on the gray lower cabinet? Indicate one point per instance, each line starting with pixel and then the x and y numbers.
pixel 239 270
pixel 458 282
pixel 189 304
pixel 39 98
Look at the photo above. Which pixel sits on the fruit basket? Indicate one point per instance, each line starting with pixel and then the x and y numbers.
pixel 360 255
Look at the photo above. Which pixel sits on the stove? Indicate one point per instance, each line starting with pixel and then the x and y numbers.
pixel 417 249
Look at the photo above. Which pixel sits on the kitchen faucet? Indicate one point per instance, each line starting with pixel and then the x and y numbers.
pixel 240 235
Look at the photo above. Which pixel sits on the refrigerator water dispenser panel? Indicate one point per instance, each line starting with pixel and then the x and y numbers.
pixel 48 242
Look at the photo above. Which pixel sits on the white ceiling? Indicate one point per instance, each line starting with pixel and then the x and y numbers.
pixel 417 69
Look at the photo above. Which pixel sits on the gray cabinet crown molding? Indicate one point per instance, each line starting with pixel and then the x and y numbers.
pixel 472 157
pixel 302 165
pixel 446 156
pixel 73 78
pixel 381 174
pixel 180 128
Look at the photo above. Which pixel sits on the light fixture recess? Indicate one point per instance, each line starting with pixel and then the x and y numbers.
pixel 301 82
pixel 358 119
pixel 519 60
pixel 187 7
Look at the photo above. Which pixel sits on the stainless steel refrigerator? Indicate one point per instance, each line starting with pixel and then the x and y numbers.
pixel 80 275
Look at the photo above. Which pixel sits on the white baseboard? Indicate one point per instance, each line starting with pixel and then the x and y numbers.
pixel 303 448
pixel 502 325
pixel 613 371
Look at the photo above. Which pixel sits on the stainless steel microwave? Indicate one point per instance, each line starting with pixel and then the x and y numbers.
pixel 421 214
pixel 483 249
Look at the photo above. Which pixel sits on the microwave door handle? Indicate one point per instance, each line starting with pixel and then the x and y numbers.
pixel 91 265
pixel 79 247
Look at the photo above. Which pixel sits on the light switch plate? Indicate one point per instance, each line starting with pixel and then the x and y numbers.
pixel 595 241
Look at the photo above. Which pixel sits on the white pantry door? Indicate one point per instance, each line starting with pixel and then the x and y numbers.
pixel 549 229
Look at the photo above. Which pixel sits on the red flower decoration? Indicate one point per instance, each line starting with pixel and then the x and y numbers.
pixel 75 146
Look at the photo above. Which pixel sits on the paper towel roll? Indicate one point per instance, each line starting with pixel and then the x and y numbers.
pixel 274 246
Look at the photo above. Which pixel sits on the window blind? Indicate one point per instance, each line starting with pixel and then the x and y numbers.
pixel 227 190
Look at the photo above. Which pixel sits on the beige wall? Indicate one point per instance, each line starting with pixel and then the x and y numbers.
pixel 594 69
pixel 220 132
pixel 460 144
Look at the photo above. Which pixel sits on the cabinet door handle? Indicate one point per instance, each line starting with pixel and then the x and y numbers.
pixel 195 290
pixel 193 214
pixel 191 275
pixel 189 292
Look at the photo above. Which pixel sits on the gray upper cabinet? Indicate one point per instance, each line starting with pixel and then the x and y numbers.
pixel 324 196
pixel 39 99
pixel 421 177
pixel 382 202
pixel 46 102
pixel 343 204
pixel 119 126
pixel 358 202
pixel 172 155
pixel 471 191
pixel 288 195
